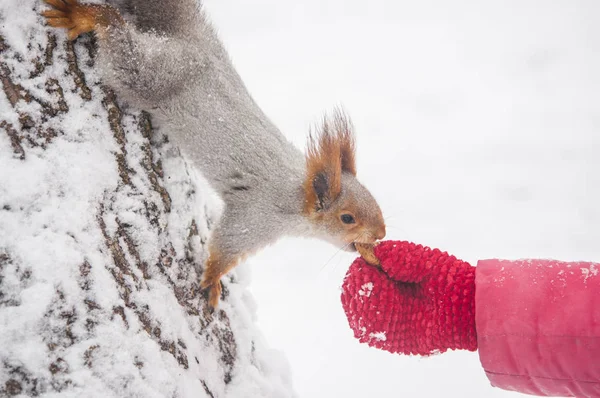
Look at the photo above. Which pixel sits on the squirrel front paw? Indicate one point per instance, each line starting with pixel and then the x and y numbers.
pixel 214 293
pixel 217 265
pixel 80 18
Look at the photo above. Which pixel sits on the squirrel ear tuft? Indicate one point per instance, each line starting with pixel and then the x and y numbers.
pixel 329 153
pixel 323 181
pixel 344 136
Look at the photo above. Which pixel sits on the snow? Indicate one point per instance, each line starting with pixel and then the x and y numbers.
pixel 477 132
pixel 378 336
pixel 366 289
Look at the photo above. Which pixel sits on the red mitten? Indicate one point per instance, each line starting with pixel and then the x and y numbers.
pixel 420 301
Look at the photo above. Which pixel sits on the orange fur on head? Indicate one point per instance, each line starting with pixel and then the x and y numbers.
pixel 328 154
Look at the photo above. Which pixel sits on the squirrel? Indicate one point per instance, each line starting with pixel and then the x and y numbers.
pixel 169 61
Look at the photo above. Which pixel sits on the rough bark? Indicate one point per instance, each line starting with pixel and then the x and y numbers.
pixel 102 234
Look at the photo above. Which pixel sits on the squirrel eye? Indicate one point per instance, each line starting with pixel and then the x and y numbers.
pixel 347 219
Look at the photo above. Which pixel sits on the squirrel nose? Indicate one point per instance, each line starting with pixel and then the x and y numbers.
pixel 380 233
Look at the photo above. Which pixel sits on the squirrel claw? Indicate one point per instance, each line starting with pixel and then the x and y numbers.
pixel 55 13
pixel 60 4
pixel 214 292
pixel 214 295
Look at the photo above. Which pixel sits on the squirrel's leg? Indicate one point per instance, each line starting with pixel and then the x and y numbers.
pixel 144 68
pixel 235 237
pixel 218 264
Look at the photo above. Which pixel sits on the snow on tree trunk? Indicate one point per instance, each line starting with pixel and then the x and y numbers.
pixel 102 235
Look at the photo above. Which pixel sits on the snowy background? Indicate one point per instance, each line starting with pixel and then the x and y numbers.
pixel 477 131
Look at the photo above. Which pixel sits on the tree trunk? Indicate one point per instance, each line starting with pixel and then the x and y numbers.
pixel 102 235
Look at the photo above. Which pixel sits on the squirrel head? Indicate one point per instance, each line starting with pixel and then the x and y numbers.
pixel 335 202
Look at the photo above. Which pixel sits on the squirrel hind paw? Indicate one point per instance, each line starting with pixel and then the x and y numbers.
pixel 78 18
pixel 61 15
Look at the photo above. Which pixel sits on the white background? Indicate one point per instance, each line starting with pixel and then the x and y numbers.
pixel 478 132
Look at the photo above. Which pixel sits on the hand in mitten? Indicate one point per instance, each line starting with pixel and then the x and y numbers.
pixel 419 301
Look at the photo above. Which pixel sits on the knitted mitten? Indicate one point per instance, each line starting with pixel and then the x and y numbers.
pixel 420 301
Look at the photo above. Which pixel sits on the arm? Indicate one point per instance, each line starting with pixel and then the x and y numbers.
pixel 536 322
pixel 538 326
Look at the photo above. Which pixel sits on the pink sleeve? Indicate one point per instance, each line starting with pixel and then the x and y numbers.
pixel 538 326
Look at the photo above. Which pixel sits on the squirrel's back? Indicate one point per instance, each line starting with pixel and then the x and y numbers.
pixel 209 112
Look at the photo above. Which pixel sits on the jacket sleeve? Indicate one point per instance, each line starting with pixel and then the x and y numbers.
pixel 538 326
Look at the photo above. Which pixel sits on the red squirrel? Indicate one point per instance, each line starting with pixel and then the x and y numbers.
pixel 169 61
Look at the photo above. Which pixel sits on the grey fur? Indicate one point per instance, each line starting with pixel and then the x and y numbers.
pixel 173 64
